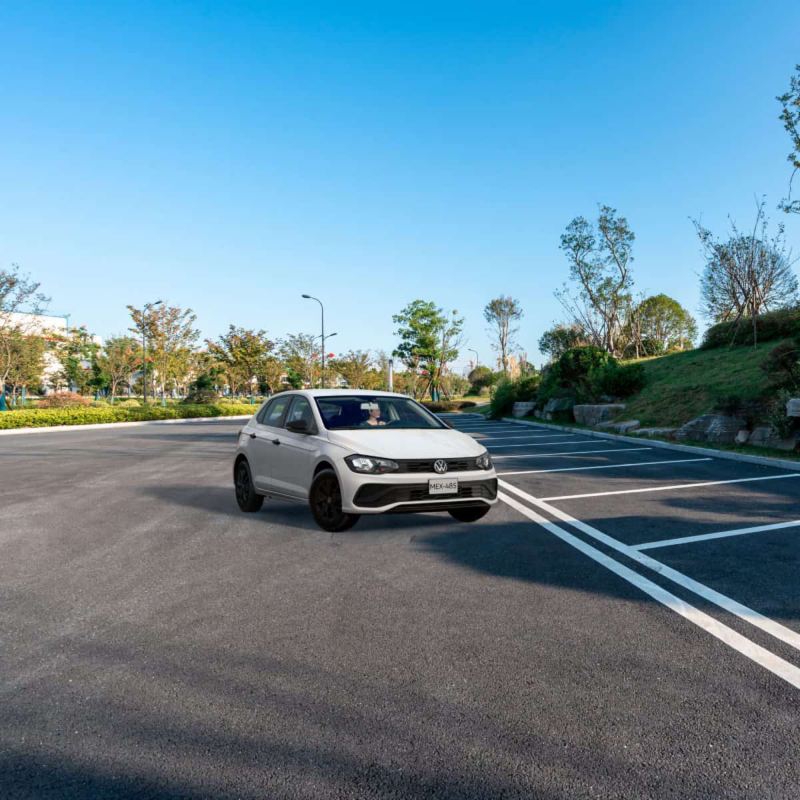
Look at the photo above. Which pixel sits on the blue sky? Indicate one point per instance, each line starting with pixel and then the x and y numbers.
pixel 232 156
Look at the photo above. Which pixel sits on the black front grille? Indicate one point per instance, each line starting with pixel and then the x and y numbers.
pixel 374 495
pixel 426 465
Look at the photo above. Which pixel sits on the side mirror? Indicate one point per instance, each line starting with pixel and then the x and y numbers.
pixel 298 426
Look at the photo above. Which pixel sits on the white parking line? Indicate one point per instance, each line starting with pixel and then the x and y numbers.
pixel 571 453
pixel 606 466
pixel 743 645
pixel 548 442
pixel 675 486
pixel 781 632
pixel 704 537
pixel 524 436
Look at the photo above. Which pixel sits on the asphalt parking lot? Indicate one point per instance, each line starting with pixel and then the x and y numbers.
pixel 625 624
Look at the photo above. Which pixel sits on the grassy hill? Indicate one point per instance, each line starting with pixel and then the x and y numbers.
pixel 681 386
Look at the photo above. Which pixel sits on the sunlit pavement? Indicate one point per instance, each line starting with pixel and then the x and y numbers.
pixel 624 624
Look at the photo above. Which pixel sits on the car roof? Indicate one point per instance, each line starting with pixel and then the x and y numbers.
pixel 345 393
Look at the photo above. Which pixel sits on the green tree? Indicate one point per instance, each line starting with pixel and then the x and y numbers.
pixel 242 355
pixel 27 363
pixel 171 337
pixel 480 377
pixel 18 294
pixel 77 352
pixel 119 359
pixel 501 314
pixel 356 368
pixel 662 324
pixel 554 342
pixel 600 259
pixel 429 341
pixel 790 116
pixel 300 354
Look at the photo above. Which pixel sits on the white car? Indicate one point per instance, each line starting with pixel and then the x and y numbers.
pixel 349 453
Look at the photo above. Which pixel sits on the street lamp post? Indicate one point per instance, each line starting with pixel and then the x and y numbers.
pixel 477 359
pixel 322 346
pixel 147 307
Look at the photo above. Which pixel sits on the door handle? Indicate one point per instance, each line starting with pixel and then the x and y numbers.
pixel 252 436
pixel 276 441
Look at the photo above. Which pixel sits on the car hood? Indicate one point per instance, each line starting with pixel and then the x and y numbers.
pixel 403 444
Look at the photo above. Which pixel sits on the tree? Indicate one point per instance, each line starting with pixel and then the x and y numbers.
pixel 27 363
pixel 119 359
pixel 501 314
pixel 790 116
pixel 429 341
pixel 555 342
pixel 301 356
pixel 356 368
pixel 600 263
pixel 242 355
pixel 747 274
pixel 481 377
pixel 662 324
pixel 18 295
pixel 171 337
pixel 77 352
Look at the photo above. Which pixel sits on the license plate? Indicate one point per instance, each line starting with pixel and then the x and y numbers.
pixel 443 486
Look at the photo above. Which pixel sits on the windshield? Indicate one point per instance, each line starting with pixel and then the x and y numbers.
pixel 363 412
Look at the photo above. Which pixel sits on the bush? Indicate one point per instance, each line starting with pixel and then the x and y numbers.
pixel 782 365
pixel 618 380
pixel 527 388
pixel 783 425
pixel 129 402
pixel 442 406
pixel 781 324
pixel 575 374
pixel 85 415
pixel 64 400
pixel 503 398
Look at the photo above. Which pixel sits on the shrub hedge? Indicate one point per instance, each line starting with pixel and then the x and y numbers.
pixel 441 406
pixel 781 324
pixel 88 415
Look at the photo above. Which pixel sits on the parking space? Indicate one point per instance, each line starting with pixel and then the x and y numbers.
pixel 727 531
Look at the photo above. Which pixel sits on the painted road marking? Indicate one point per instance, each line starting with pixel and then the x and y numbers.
pixel 543 444
pixel 704 537
pixel 743 645
pixel 571 453
pixel 606 466
pixel 781 632
pixel 523 436
pixel 670 488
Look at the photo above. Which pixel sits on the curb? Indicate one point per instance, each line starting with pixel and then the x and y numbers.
pixel 99 425
pixel 764 461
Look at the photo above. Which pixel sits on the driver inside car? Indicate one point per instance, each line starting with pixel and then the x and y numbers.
pixel 374 417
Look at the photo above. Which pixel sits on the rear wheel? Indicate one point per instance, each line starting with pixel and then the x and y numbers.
pixel 469 514
pixel 325 499
pixel 246 496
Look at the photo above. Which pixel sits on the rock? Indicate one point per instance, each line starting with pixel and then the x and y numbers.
pixel 625 426
pixel 663 432
pixel 595 414
pixel 559 404
pixel 522 409
pixel 715 428
pixel 764 436
pixel 793 407
pixel 742 436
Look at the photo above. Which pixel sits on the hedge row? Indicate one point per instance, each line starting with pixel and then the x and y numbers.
pixel 440 406
pixel 782 324
pixel 87 415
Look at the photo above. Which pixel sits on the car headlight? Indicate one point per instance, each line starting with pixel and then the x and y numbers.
pixel 483 461
pixel 371 464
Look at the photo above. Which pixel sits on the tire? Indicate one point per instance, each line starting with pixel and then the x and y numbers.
pixel 325 500
pixel 469 514
pixel 246 496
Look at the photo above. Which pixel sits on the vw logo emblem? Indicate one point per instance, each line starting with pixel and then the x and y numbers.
pixel 440 466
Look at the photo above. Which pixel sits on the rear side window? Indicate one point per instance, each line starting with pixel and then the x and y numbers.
pixel 273 412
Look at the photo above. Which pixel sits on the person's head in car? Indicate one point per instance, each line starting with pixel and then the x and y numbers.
pixel 374 415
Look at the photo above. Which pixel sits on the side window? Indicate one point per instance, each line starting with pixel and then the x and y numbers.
pixel 301 409
pixel 273 412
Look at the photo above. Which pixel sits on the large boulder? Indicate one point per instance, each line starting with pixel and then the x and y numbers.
pixel 624 426
pixel 765 436
pixel 595 414
pixel 558 409
pixel 522 409
pixel 793 407
pixel 715 428
pixel 666 433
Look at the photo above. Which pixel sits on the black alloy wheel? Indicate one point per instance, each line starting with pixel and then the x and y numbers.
pixel 469 514
pixel 246 496
pixel 325 499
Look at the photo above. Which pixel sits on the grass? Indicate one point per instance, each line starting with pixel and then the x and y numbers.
pixel 682 386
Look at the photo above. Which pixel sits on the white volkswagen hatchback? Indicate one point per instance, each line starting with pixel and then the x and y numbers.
pixel 348 453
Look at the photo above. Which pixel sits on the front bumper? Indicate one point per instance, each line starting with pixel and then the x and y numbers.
pixel 387 494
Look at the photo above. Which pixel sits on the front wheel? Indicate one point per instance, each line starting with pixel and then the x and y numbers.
pixel 469 514
pixel 246 496
pixel 325 499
